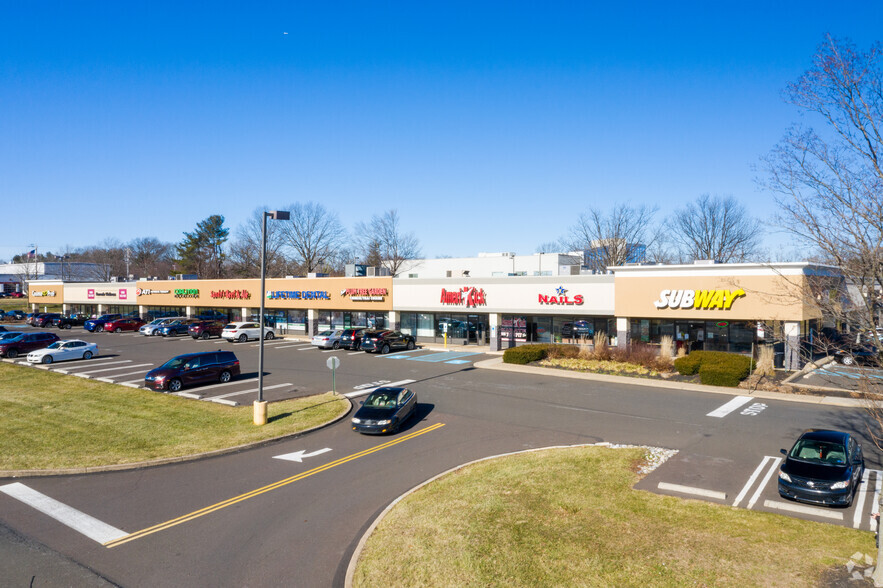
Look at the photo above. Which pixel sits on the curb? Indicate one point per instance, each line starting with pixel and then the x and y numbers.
pixel 497 364
pixel 169 460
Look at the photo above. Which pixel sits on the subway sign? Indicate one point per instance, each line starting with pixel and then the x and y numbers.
pixel 298 295
pixel 698 299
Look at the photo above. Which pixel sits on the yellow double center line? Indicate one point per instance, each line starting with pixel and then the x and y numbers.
pixel 268 488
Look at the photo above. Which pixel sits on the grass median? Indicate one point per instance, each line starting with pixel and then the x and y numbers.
pixel 54 421
pixel 569 517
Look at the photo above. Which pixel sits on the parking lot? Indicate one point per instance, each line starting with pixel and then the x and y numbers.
pixel 847 378
pixel 292 366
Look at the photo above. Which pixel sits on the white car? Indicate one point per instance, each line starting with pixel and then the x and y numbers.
pixel 152 328
pixel 64 350
pixel 244 331
pixel 327 339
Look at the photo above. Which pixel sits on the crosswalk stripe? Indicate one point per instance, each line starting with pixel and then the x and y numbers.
pixel 730 406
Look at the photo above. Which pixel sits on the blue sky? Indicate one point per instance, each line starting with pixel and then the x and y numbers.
pixel 488 126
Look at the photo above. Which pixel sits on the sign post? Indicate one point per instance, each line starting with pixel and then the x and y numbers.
pixel 333 363
pixel 445 331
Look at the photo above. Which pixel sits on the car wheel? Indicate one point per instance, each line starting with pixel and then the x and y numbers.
pixel 205 335
pixel 225 377
pixel 47 359
pixel 117 330
pixel 174 385
pixel 335 345
pixel 243 338
pixel 99 329
pixel 384 350
pixel 173 333
pixel 67 326
pixel 12 353
pixel 87 355
pixel 848 360
pixel 269 335
pixel 411 345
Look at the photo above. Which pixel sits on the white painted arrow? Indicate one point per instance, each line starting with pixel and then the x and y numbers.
pixel 299 456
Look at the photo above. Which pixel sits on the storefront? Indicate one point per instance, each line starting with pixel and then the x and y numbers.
pixel 721 307
pixel 504 312
pixel 293 305
pixel 88 298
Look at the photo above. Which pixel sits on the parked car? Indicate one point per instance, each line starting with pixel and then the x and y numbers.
pixel 206 329
pixel 385 411
pixel 193 368
pixel 386 341
pixel 352 338
pixel 152 328
pixel 25 343
pixel 123 324
pixel 64 350
pixel 68 321
pixel 327 339
pixel 243 331
pixel 16 295
pixel 2 329
pixel 97 324
pixel 823 467
pixel 857 354
pixel 213 315
pixel 34 317
pixel 4 295
pixel 176 327
pixel 9 334
pixel 15 315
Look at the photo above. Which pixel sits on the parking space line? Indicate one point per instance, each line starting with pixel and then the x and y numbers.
pixel 690 490
pixel 231 383
pixel 112 381
pixel 64 514
pixel 443 356
pixel 64 369
pixel 370 390
pixel 730 406
pixel 808 510
pixel 122 367
pixel 860 502
pixel 289 346
pixel 751 480
pixel 244 392
pixel 310 348
pixel 763 483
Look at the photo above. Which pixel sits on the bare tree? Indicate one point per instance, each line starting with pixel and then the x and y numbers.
pixel 109 260
pixel 829 184
pixel 150 257
pixel 245 249
pixel 714 227
pixel 384 235
pixel 313 237
pixel 621 236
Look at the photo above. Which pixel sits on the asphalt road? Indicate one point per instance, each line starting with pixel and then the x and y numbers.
pixel 252 519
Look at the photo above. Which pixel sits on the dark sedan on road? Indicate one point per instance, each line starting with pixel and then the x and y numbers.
pixel 67 322
pixel 176 327
pixel 26 343
pixel 97 324
pixel 206 329
pixel 823 467
pixel 45 319
pixel 386 341
pixel 193 368
pixel 385 411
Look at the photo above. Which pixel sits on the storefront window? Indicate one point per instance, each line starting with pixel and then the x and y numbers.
pixel 425 324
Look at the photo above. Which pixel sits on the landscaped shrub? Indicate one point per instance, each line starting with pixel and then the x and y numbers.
pixel 525 354
pixel 640 354
pixel 562 352
pixel 715 368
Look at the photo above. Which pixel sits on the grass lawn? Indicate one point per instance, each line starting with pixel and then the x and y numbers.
pixel 569 517
pixel 51 420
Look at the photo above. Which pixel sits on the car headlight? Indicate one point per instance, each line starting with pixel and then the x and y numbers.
pixel 386 422
pixel 840 485
pixel 357 421
pixel 784 476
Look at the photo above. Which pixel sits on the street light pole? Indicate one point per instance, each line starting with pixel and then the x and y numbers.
pixel 260 406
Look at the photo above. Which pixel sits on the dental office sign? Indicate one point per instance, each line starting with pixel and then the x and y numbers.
pixel 698 299
pixel 298 295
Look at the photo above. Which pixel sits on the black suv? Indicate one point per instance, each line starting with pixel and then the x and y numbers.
pixel 193 368
pixel 385 341
pixel 66 322
pixel 352 338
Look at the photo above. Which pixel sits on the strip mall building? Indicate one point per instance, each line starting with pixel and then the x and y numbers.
pixel 713 306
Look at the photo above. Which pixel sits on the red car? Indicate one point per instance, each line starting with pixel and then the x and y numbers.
pixel 124 324
pixel 16 295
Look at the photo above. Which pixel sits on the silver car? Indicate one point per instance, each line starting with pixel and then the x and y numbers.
pixel 152 328
pixel 327 339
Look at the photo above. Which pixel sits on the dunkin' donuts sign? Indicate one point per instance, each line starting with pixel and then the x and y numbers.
pixel 698 299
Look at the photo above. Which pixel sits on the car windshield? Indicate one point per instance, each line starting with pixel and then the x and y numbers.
pixel 156 321
pixel 175 362
pixel 16 339
pixel 325 334
pixel 232 326
pixel 9 335
pixel 821 452
pixel 382 399
pixel 56 345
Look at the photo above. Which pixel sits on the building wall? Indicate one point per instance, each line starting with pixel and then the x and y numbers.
pixel 489 265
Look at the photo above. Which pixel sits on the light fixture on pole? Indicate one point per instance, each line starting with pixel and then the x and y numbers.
pixel 260 406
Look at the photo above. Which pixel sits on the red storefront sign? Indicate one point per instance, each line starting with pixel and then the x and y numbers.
pixel 231 294
pixel 467 295
pixel 561 298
